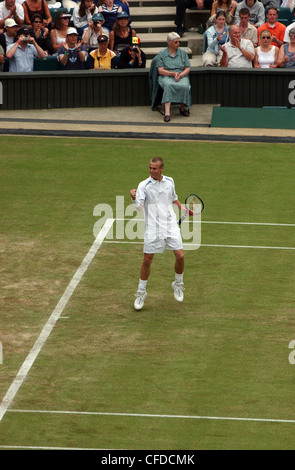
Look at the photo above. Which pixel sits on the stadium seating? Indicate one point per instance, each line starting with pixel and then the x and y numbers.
pixel 285 16
pixel 49 64
pixel 55 11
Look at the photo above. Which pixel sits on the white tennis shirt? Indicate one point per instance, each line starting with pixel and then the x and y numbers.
pixel 155 198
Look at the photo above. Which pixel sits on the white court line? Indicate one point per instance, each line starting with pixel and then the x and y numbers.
pixel 212 245
pixel 47 448
pixel 33 354
pixel 165 416
pixel 270 224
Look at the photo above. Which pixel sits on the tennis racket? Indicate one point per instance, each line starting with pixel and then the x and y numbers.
pixel 193 206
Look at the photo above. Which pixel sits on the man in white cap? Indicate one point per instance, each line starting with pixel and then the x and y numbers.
pixel 72 54
pixel 10 30
pixel 10 9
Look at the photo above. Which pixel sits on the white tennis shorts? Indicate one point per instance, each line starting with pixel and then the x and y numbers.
pixel 159 245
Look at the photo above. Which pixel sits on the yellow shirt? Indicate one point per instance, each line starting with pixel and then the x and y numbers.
pixel 102 62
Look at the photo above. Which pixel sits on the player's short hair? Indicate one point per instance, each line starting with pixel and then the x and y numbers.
pixel 158 159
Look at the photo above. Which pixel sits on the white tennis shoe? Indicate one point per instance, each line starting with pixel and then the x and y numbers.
pixel 139 301
pixel 178 291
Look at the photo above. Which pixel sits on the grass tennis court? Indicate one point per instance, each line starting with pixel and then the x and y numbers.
pixel 211 373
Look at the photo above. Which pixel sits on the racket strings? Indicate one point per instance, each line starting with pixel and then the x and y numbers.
pixel 194 205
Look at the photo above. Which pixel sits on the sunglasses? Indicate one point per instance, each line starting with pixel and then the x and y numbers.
pixel 292 35
pixel 37 21
pixel 266 37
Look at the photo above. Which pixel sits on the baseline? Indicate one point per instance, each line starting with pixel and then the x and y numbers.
pixel 256 247
pixel 150 415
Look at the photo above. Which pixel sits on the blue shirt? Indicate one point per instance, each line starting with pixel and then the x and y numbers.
pixel 23 59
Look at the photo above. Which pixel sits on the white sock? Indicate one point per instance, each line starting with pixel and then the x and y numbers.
pixel 142 285
pixel 178 278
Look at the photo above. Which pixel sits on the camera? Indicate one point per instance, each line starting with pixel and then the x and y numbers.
pixel 26 38
pixel 95 22
pixel 135 44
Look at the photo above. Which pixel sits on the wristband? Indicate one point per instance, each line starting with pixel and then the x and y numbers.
pixel 66 53
pixel 130 63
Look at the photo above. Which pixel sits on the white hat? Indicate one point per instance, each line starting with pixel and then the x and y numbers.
pixel 72 31
pixel 9 23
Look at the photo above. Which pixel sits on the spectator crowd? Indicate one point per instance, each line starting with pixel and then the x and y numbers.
pixel 247 34
pixel 99 35
pixel 84 35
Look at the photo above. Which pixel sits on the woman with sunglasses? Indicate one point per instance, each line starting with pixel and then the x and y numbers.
pixel 58 34
pixel 266 55
pixel 41 34
pixel 287 51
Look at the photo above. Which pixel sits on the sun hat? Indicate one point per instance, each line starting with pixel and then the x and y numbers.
pixel 72 31
pixel 122 14
pixel 102 38
pixel 98 17
pixel 9 23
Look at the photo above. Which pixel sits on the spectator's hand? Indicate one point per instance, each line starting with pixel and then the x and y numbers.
pixel 125 1
pixel 235 42
pixel 222 48
pixel 45 23
pixel 45 32
pixel 79 44
pixel 91 8
pixel 90 24
pixel 12 10
pixel 219 37
pixel 66 46
pixel 177 76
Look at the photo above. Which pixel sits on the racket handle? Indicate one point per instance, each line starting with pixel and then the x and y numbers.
pixel 182 218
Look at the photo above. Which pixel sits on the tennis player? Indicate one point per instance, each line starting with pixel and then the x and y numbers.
pixel 155 196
